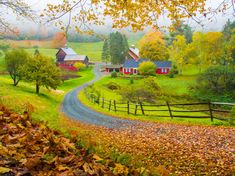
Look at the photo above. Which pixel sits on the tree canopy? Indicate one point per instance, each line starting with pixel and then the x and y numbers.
pixel 15 59
pixel 118 47
pixel 40 70
pixel 153 47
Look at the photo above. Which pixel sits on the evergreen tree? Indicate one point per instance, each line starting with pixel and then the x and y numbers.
pixel 118 47
pixel 182 29
pixel 105 51
pixel 228 30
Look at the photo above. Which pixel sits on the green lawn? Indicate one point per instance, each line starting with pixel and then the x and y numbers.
pixel 46 104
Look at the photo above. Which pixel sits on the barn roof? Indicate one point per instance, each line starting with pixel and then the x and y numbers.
pixel 131 63
pixel 75 57
pixel 69 51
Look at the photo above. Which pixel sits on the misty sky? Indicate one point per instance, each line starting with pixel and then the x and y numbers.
pixel 217 24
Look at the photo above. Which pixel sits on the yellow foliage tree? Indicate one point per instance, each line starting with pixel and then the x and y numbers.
pixel 178 54
pixel 124 13
pixel 153 47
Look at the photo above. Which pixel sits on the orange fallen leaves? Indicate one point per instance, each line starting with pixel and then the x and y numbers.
pixel 28 148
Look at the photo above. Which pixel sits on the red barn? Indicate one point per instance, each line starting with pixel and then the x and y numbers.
pixel 131 66
pixel 67 57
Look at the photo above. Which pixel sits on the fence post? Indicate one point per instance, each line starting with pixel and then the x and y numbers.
pixel 210 110
pixel 169 108
pixel 136 107
pixel 128 107
pixel 141 106
pixel 114 104
pixel 110 104
pixel 103 102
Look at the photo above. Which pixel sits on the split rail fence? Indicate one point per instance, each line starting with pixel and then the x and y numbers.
pixel 211 110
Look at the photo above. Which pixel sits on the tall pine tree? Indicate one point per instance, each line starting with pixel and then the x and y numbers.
pixel 118 47
pixel 105 52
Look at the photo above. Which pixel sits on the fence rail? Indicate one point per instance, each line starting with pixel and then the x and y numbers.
pixel 208 110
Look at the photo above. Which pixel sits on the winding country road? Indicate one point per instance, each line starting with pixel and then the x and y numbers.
pixel 73 108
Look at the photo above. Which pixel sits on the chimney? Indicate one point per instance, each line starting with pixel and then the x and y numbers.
pixel 133 46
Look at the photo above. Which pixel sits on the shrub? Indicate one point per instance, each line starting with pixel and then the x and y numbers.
pixel 147 68
pixel 113 74
pixel 147 92
pixel 112 86
pixel 216 82
pixel 131 80
pixel 79 65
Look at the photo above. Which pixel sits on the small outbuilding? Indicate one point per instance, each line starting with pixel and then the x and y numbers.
pixel 66 57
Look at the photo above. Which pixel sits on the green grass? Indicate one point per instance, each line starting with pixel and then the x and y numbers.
pixel 92 50
pixel 2 64
pixel 187 121
pixel 175 90
pixel 46 105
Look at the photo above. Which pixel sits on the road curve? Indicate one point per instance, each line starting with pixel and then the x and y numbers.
pixel 73 108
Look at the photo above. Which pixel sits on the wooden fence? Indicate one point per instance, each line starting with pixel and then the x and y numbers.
pixel 211 110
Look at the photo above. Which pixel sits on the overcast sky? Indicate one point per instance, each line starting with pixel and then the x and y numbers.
pixel 216 25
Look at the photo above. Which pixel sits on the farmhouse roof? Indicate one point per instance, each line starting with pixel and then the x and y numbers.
pixel 163 64
pixel 131 63
pixel 135 51
pixel 113 66
pixel 75 57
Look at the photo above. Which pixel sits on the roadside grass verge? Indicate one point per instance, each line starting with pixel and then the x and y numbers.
pixel 186 121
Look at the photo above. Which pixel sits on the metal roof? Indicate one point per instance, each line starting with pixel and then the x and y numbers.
pixel 135 51
pixel 131 63
pixel 69 51
pixel 75 57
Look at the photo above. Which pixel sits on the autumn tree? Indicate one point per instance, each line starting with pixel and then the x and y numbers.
pixel 15 59
pixel 136 14
pixel 40 70
pixel 147 68
pixel 153 47
pixel 59 40
pixel 178 51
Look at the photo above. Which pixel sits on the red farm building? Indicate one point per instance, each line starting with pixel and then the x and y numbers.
pixel 67 57
pixel 130 66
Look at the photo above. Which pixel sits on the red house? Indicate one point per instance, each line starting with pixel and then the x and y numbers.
pixel 67 57
pixel 113 68
pixel 131 66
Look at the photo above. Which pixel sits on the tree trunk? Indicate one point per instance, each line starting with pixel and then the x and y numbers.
pixel 37 88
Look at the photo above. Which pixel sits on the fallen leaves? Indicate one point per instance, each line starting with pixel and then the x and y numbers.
pixel 169 148
pixel 28 148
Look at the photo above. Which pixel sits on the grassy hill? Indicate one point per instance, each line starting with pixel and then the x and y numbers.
pixel 92 50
